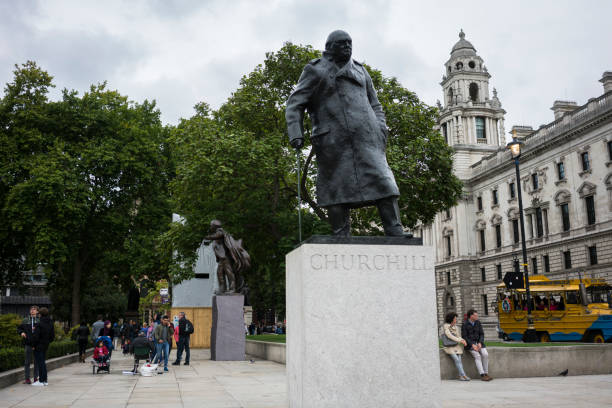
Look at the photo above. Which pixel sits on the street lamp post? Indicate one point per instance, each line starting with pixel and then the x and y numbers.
pixel 530 335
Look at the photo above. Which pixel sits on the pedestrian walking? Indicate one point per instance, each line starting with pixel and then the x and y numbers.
pixel 82 335
pixel 42 335
pixel 95 329
pixel 25 330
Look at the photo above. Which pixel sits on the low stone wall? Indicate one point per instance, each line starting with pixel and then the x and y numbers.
pixel 266 350
pixel 504 362
pixel 17 375
pixel 514 362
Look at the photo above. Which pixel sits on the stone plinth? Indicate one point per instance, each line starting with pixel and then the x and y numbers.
pixel 227 332
pixel 361 325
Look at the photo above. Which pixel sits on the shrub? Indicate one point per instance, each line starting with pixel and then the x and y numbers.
pixel 13 357
pixel 60 334
pixel 8 330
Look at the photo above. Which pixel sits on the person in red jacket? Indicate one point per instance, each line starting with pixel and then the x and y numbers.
pixel 101 354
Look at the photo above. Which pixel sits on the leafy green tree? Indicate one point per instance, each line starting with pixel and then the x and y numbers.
pixel 92 196
pixel 235 164
pixel 23 125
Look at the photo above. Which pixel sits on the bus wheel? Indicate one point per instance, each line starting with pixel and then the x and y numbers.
pixel 598 338
pixel 544 337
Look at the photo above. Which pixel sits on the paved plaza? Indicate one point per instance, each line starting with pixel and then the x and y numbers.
pixel 212 384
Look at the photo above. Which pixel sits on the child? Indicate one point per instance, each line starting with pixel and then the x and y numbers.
pixel 101 354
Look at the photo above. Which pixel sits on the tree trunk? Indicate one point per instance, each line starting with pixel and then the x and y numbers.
pixel 76 291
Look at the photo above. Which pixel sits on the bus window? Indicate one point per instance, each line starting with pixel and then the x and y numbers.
pixel 597 294
pixel 572 298
pixel 556 302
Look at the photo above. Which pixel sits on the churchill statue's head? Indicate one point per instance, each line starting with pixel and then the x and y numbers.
pixel 215 225
pixel 339 45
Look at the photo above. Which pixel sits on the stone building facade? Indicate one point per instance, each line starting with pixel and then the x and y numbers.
pixel 566 182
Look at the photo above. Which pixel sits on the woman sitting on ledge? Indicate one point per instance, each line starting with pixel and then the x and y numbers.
pixel 454 352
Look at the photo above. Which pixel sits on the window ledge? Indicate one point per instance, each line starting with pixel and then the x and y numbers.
pixel 479 212
pixel 512 200
pixel 494 206
pixel 565 234
pixel 590 227
pixel 585 173
pixel 497 250
pixel 561 181
pixel 516 245
pixel 537 190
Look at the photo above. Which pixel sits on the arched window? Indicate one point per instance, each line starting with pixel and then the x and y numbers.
pixel 450 96
pixel 474 92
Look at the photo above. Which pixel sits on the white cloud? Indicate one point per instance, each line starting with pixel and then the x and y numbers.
pixel 183 52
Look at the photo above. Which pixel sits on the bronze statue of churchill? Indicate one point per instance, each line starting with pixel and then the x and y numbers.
pixel 349 136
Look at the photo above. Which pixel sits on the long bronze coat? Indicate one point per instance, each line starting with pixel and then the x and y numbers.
pixel 349 135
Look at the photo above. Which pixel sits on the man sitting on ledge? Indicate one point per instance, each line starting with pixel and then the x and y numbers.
pixel 472 332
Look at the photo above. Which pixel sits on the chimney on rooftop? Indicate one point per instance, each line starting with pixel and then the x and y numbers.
pixel 521 132
pixel 606 80
pixel 560 108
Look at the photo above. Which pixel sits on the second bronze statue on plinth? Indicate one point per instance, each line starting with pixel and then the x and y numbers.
pixel 349 137
pixel 232 259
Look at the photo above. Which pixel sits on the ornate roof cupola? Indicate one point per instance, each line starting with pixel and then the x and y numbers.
pixel 470 120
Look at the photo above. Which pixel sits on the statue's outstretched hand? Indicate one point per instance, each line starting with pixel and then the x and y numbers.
pixel 297 143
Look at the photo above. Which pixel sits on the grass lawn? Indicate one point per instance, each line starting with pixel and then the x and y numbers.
pixel 280 338
pixel 274 338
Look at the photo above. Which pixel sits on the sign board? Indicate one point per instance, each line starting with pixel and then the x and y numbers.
pixel 514 280
pixel 163 291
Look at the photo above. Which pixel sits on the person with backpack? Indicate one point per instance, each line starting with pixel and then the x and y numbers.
pixel 185 330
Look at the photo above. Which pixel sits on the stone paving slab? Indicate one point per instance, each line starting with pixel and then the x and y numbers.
pixel 262 384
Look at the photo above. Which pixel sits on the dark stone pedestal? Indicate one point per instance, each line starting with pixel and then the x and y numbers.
pixel 227 342
pixel 132 315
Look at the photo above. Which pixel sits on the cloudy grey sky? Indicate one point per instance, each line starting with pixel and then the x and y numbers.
pixel 180 52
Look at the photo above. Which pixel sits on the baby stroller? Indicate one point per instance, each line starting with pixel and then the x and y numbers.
pixel 104 365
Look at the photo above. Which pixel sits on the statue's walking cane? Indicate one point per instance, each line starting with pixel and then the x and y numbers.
pixel 299 192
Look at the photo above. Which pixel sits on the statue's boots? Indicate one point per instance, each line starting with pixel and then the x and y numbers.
pixel 220 290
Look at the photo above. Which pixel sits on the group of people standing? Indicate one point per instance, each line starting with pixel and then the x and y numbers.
pixel 158 335
pixel 37 331
pixel 470 337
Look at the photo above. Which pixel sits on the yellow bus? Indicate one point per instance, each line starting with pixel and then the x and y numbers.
pixel 563 310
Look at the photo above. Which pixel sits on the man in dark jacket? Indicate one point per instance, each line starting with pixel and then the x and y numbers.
pixel 82 335
pixel 43 334
pixel 349 136
pixel 25 330
pixel 141 341
pixel 185 330
pixel 473 334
